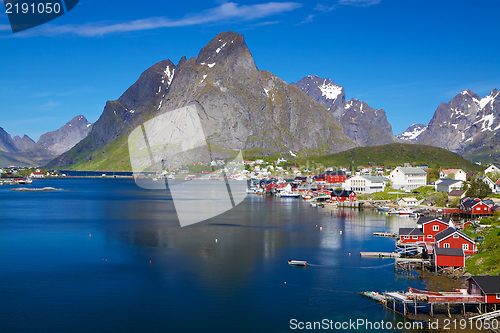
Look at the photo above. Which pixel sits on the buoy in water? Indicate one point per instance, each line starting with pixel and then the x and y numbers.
pixel 285 282
pixel 341 232
pixel 216 240
pixel 90 235
pixel 150 261
pixel 320 228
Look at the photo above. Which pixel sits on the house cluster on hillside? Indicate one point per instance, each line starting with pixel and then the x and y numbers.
pixel 440 238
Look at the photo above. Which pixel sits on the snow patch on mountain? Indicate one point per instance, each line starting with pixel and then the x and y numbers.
pixel 330 90
pixel 412 132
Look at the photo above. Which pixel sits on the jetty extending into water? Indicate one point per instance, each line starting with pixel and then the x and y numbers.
pixel 414 301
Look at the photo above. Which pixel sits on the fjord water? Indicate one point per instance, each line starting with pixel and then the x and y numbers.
pixel 107 256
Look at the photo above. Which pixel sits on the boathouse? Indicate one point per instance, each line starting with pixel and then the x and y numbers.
pixel 432 226
pixel 455 239
pixel 487 286
pixel 474 206
pixel 410 235
pixel 451 257
pixel 343 196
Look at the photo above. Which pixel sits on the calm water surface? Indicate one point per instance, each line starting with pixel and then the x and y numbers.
pixel 107 256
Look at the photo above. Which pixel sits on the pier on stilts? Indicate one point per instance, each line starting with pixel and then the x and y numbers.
pixel 427 302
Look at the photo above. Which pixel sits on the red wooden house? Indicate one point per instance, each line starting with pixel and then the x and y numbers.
pixel 449 257
pixel 343 195
pixel 432 226
pixel 335 177
pixel 455 239
pixel 474 206
pixel 410 235
pixel 487 286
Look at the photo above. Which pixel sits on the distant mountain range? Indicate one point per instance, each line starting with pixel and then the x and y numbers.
pixel 243 108
pixel 25 152
pixel 467 125
pixel 364 125
pixel 240 108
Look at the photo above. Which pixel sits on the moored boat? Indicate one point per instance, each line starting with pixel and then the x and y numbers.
pixel 297 262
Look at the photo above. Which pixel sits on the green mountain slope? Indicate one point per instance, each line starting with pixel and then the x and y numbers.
pixel 392 155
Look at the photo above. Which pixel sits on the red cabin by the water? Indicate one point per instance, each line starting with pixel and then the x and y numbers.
pixel 449 257
pixel 455 239
pixel 487 286
pixel 432 226
pixel 410 235
pixel 343 195
pixel 474 206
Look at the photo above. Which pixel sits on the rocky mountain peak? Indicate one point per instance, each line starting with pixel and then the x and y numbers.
pixel 227 49
pixel 63 139
pixel 325 92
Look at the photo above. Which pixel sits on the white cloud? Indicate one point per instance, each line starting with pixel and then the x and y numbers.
pixel 356 3
pixel 307 19
pixel 226 12
pixel 50 105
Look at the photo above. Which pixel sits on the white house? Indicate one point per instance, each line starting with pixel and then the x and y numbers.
pixel 408 178
pixel 492 168
pixel 490 183
pixel 459 174
pixel 409 201
pixel 447 185
pixel 365 184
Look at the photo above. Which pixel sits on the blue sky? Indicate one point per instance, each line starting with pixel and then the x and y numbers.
pixel 403 56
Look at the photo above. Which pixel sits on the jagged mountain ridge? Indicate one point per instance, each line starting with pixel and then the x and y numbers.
pixel 240 107
pixel 412 133
pixel 25 152
pixel 466 123
pixel 364 125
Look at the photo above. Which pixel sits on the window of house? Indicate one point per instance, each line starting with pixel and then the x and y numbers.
pixel 407 237
pixel 465 246
pixel 435 228
pixel 498 296
pixel 446 245
pixel 485 209
pixel 415 237
pixel 429 236
pixel 455 236
pixel 473 288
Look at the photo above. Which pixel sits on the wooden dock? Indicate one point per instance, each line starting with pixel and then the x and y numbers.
pixel 379 254
pixel 410 302
pixel 385 234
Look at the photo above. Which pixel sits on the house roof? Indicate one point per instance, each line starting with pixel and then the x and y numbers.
pixel 488 284
pixel 410 232
pixel 425 219
pixel 447 171
pixel 408 199
pixel 375 179
pixel 334 173
pixel 456 193
pixel 413 171
pixel 449 252
pixel 448 181
pixel 342 193
pixel 471 202
pixel 448 232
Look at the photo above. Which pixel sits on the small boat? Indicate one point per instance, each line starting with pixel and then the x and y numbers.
pixel 297 262
pixel 405 211
pixel 383 208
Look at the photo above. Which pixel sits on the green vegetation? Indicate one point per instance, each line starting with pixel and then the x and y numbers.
pixel 478 189
pixel 391 194
pixel 392 155
pixel 487 260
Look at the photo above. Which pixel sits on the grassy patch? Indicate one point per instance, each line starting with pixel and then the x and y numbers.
pixel 487 261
